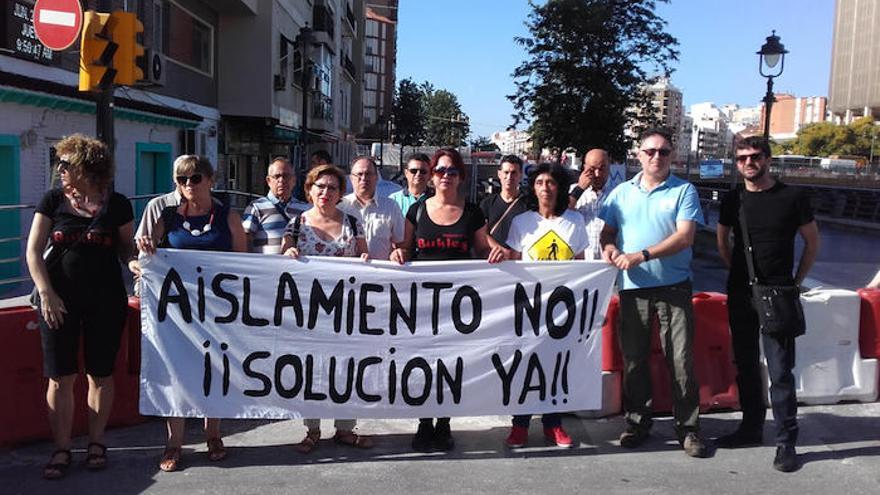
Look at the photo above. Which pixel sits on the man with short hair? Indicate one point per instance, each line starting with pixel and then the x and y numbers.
pixel 265 218
pixel 319 157
pixel 650 223
pixel 587 195
pixel 418 173
pixel 382 219
pixel 775 214
pixel 500 208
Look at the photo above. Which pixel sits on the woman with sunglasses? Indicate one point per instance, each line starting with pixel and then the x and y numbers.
pixel 198 222
pixel 443 227
pixel 81 292
pixel 325 230
pixel 549 231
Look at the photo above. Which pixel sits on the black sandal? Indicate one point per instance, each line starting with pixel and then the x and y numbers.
pixel 57 470
pixel 96 461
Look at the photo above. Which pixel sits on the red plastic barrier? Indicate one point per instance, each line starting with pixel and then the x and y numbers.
pixel 612 359
pixel 869 323
pixel 713 358
pixel 23 395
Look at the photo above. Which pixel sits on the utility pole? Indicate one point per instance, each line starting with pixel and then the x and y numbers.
pixel 104 101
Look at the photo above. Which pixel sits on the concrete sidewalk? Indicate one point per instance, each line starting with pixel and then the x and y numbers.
pixel 839 447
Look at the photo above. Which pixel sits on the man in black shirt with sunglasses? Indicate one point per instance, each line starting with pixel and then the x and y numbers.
pixel 775 215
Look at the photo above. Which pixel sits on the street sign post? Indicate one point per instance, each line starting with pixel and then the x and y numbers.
pixel 57 23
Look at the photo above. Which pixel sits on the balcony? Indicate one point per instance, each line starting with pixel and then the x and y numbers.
pixel 349 16
pixel 349 66
pixel 322 20
pixel 322 109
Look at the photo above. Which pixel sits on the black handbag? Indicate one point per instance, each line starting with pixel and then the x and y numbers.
pixel 779 308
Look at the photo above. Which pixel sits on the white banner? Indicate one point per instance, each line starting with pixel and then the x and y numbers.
pixel 255 336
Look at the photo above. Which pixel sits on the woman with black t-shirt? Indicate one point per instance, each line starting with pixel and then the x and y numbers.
pixel 444 227
pixel 82 295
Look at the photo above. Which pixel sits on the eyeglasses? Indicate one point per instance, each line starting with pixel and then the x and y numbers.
pixel 753 156
pixel 192 179
pixel 417 171
pixel 328 187
pixel 277 177
pixel 363 175
pixel 450 171
pixel 664 152
pixel 63 166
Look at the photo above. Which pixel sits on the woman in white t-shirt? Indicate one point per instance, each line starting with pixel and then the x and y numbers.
pixel 547 232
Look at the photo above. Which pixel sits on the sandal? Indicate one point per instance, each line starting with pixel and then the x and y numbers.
pixel 216 450
pixel 309 443
pixel 96 461
pixel 352 439
pixel 57 470
pixel 170 459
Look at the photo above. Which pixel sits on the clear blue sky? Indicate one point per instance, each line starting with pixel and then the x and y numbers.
pixel 466 46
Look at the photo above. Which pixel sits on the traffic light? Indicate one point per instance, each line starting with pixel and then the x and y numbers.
pixel 129 58
pixel 96 52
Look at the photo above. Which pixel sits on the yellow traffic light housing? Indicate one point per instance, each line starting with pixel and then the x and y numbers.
pixel 97 51
pixel 126 61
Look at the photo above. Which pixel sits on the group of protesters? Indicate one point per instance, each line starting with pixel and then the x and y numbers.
pixel 645 227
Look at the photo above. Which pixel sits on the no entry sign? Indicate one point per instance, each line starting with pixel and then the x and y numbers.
pixel 57 23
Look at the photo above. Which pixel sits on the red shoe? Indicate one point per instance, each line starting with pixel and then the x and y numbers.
pixel 518 437
pixel 557 436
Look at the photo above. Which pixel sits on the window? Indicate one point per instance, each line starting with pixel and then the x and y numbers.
pixel 283 56
pixel 190 40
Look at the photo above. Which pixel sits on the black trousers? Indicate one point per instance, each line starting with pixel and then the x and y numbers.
pixel 780 354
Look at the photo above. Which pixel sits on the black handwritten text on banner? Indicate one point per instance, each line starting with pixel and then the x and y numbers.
pixel 257 336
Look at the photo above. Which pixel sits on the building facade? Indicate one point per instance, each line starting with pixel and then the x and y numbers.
pixel 790 113
pixel 513 142
pixel 380 62
pixel 854 88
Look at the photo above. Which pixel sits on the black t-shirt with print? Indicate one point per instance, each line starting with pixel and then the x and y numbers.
pixel 445 242
pixel 90 259
pixel 774 217
pixel 493 207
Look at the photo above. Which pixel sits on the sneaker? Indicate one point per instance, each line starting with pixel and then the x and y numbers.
pixel 693 445
pixel 740 438
pixel 443 437
pixel 518 437
pixel 633 436
pixel 557 436
pixel 786 459
pixel 423 438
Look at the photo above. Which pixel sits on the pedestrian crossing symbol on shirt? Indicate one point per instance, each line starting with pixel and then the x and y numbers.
pixel 550 247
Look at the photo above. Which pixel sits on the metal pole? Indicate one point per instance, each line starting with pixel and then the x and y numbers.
pixel 104 100
pixel 768 106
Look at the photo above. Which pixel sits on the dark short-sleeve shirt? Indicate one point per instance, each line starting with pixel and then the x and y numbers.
pixel 88 248
pixel 493 207
pixel 445 242
pixel 774 217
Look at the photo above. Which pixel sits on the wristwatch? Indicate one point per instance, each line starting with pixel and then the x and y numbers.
pixel 576 192
pixel 646 254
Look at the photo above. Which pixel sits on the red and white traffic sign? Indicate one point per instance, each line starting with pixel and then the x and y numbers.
pixel 57 23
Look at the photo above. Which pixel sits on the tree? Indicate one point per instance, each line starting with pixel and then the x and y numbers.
pixel 409 115
pixel 445 123
pixel 483 143
pixel 584 77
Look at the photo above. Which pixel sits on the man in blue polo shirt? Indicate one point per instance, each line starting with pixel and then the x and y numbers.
pixel 650 222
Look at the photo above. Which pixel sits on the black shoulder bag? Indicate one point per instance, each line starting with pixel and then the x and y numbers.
pixel 779 306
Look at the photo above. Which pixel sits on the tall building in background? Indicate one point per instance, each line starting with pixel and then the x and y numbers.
pixel 854 89
pixel 380 62
pixel 667 101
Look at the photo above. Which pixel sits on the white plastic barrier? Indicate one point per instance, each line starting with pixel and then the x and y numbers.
pixel 829 368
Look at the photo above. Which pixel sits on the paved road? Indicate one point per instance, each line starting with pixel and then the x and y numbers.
pixel 840 447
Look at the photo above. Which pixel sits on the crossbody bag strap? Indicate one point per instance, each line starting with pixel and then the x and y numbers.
pixel 504 215
pixel 747 241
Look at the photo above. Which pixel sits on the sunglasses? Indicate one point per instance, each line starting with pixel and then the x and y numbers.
pixel 753 156
pixel 63 166
pixel 417 171
pixel 450 171
pixel 664 152
pixel 192 179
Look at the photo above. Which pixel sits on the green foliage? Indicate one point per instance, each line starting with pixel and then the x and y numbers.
pixel 409 114
pixel 587 63
pixel 826 139
pixel 445 123
pixel 483 143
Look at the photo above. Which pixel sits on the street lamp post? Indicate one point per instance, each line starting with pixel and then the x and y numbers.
pixel 771 55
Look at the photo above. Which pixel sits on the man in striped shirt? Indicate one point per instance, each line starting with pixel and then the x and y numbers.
pixel 264 219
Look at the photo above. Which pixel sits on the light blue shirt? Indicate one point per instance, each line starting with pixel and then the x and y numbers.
pixel 644 218
pixel 404 199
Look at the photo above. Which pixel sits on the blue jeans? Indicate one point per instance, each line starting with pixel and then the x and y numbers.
pixel 780 354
